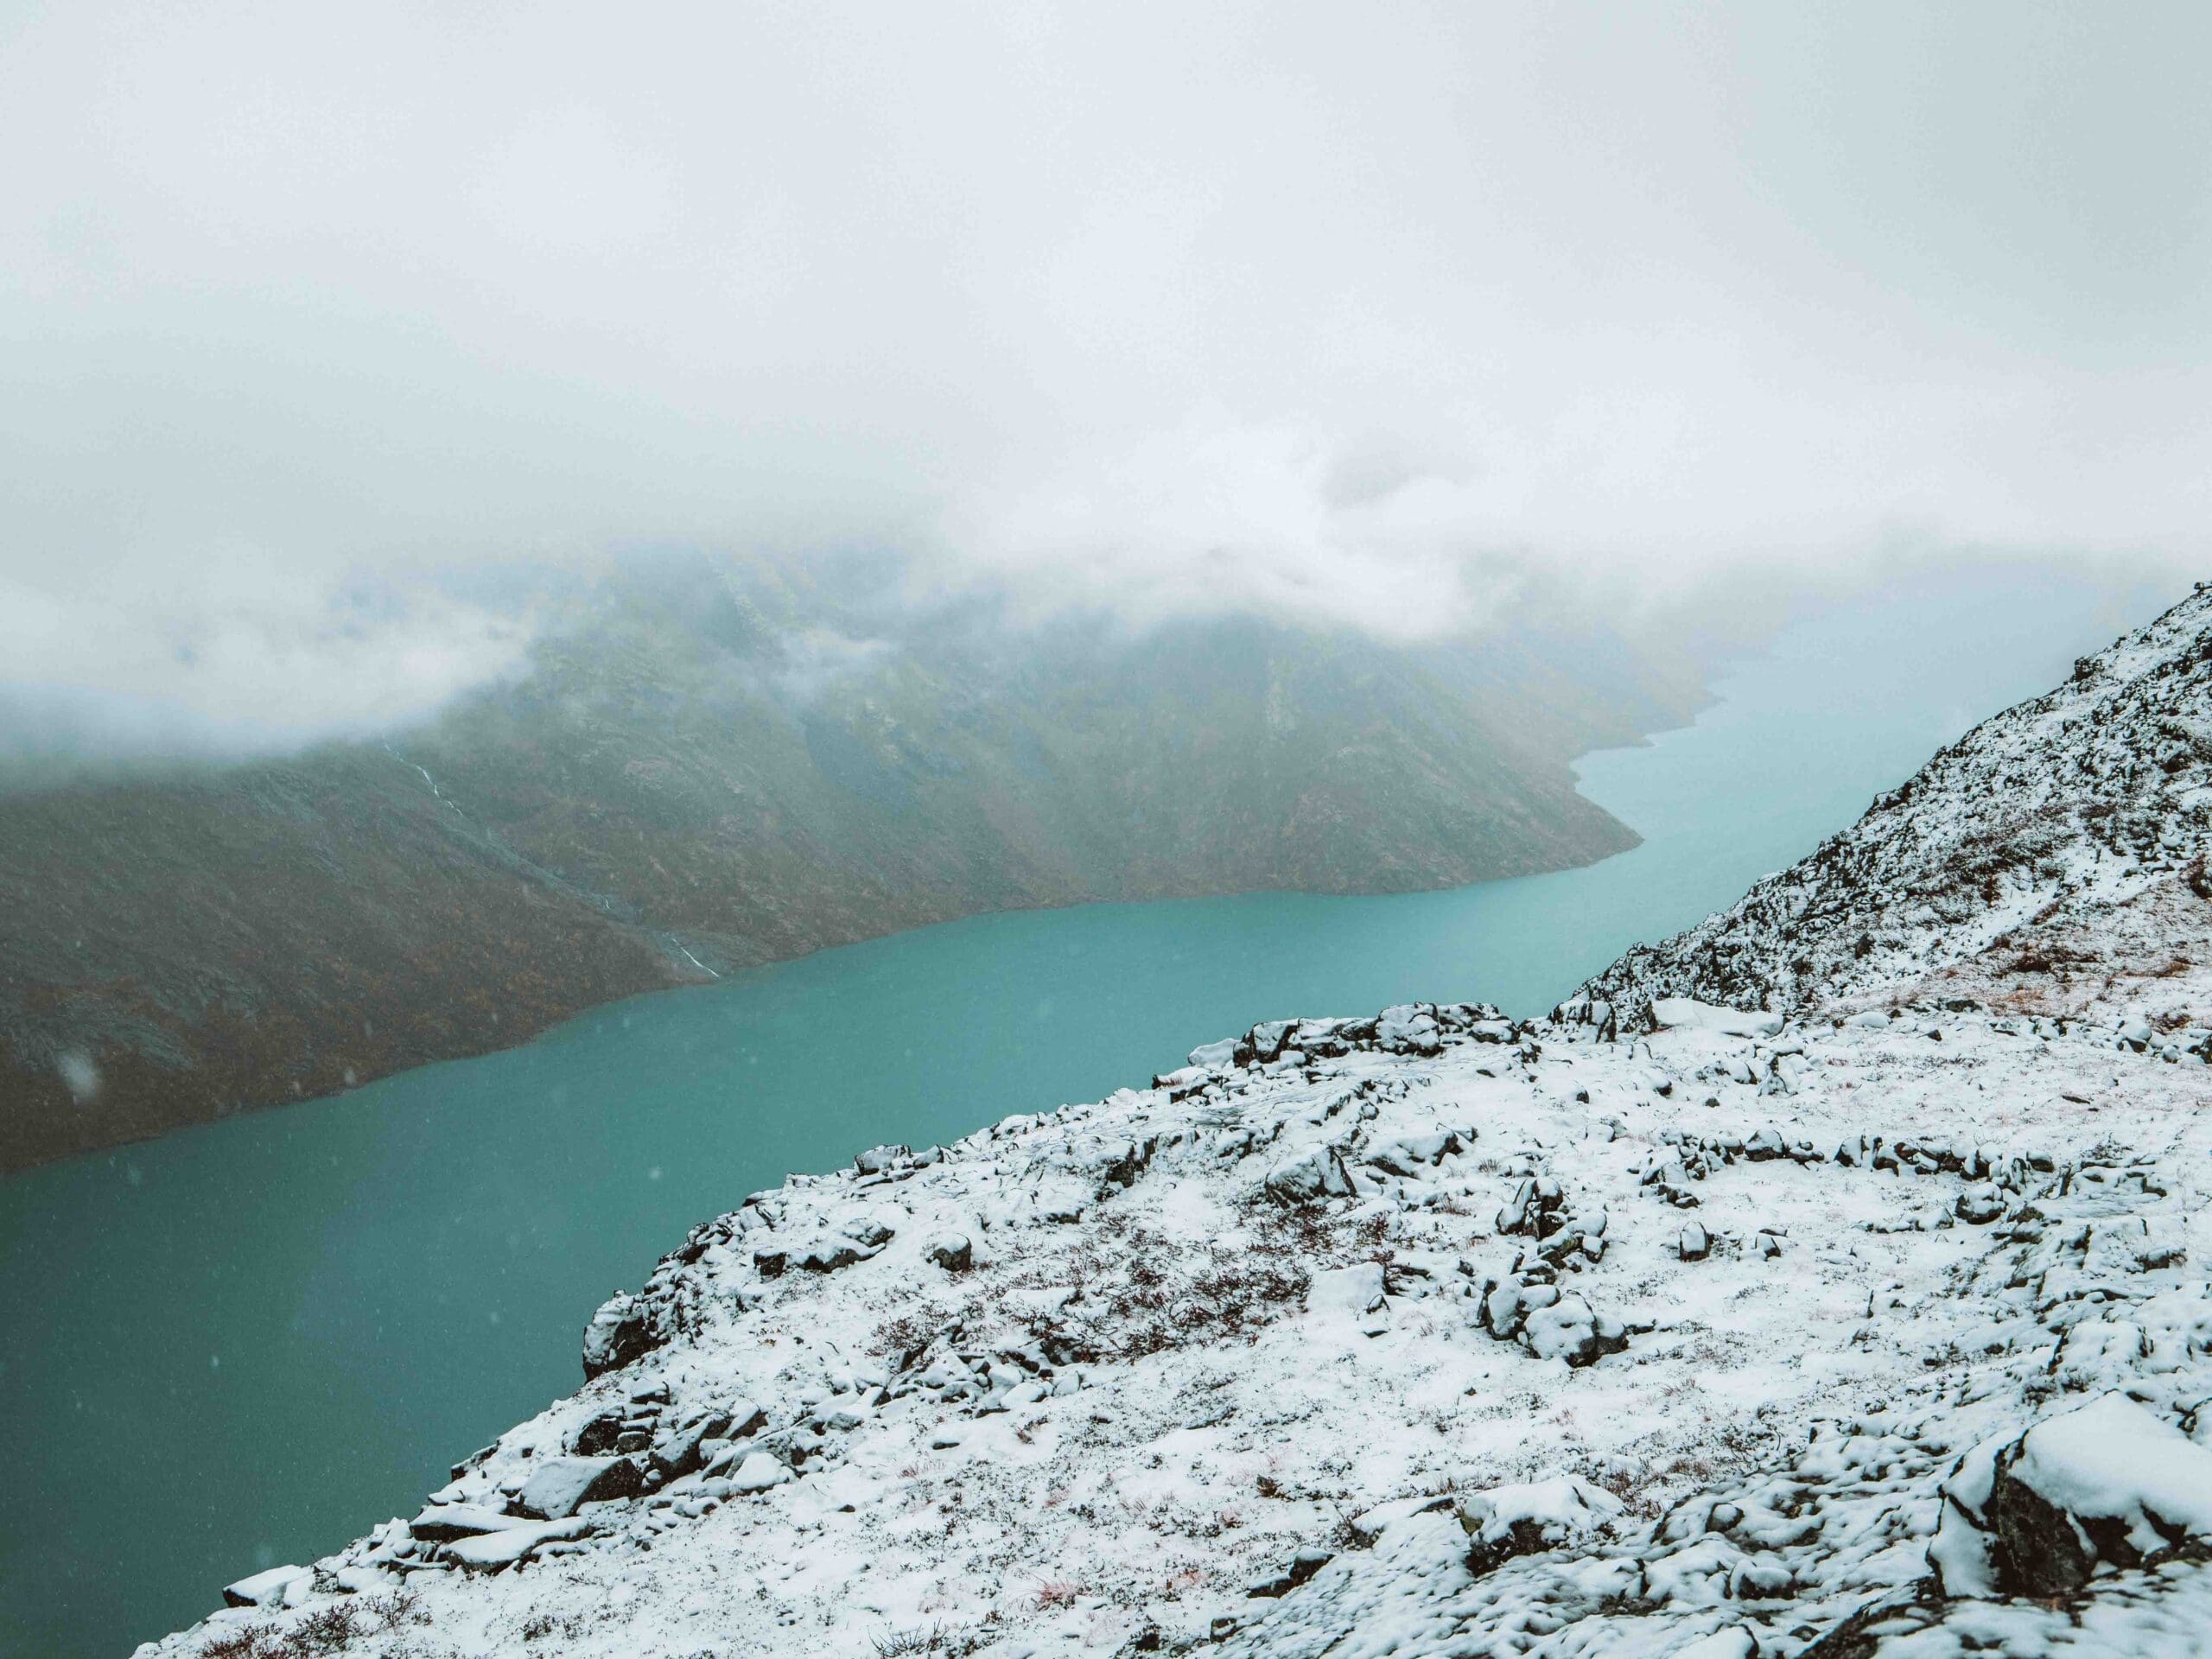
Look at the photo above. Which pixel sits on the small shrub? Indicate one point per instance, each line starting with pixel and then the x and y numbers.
pixel 247 1642
pixel 936 1639
pixel 398 1607
pixel 906 1335
pixel 327 1629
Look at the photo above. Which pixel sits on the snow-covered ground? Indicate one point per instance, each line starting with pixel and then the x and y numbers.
pixel 1874 1322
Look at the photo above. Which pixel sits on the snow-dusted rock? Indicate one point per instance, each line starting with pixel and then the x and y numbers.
pixel 1215 1057
pixel 1979 1204
pixel 560 1486
pixel 441 1523
pixel 1281 1580
pixel 953 1251
pixel 1688 1014
pixel 1504 1522
pixel 878 1160
pixel 2105 1482
pixel 1566 1328
pixel 757 1473
pixel 273 1587
pixel 1308 1177
pixel 489 1552
pixel 619 1333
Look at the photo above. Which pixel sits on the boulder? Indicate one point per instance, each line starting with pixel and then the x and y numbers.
pixel 491 1552
pixel 1308 1177
pixel 1979 1205
pixel 1765 1145
pixel 954 1252
pixel 270 1589
pixel 619 1333
pixel 1504 1522
pixel 1407 1155
pixel 1506 1301
pixel 1569 1330
pixel 2106 1482
pixel 1266 1039
pixel 758 1473
pixel 560 1485
pixel 597 1438
pixel 441 1523
pixel 1219 1055
pixel 828 1252
pixel 679 1454
pixel 1184 1081
pixel 1408 1029
pixel 1682 1012
pixel 1533 1209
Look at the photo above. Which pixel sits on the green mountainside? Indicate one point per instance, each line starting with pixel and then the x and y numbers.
pixel 709 766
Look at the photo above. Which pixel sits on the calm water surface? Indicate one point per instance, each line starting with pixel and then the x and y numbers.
pixel 248 1343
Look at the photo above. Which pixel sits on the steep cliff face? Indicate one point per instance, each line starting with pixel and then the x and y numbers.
pixel 1867 1316
pixel 708 768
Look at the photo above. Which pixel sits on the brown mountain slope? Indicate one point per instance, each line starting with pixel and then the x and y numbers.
pixel 704 770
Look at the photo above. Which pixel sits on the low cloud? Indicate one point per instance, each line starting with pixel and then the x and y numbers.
pixel 237 659
pixel 310 318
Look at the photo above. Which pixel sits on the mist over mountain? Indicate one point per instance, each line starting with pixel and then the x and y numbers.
pixel 707 766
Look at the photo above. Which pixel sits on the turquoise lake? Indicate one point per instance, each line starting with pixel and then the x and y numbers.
pixel 249 1343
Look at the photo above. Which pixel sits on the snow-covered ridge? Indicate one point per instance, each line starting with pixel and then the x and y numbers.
pixel 1872 1322
pixel 2055 843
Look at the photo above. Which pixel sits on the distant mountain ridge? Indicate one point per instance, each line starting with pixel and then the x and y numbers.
pixel 711 767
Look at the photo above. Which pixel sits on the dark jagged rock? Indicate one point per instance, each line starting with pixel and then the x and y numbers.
pixel 619 1334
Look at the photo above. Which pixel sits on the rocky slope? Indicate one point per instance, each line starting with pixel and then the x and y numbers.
pixel 710 767
pixel 1867 1316
pixel 2053 855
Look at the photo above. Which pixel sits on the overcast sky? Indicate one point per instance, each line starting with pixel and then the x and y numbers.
pixel 1299 306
